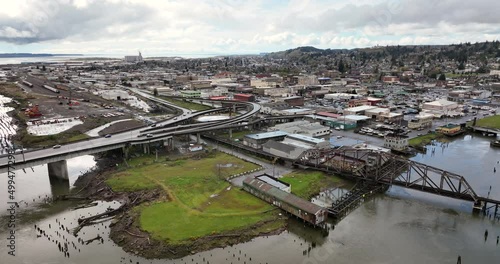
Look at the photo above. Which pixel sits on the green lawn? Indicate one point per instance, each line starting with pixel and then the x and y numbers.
pixel 489 122
pixel 423 140
pixel 307 184
pixel 186 104
pixel 172 222
pixel 200 202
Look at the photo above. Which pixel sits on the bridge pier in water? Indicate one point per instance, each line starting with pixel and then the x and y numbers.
pixel 58 170
pixel 58 177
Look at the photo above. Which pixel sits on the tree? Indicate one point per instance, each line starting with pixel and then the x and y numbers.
pixel 461 66
pixel 155 91
pixel 442 77
pixel 44 68
pixel 341 66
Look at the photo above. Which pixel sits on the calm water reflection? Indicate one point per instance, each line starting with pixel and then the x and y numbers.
pixel 403 226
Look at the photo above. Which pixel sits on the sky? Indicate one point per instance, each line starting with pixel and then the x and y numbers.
pixel 177 27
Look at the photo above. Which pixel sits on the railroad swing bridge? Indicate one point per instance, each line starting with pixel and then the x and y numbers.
pixel 375 169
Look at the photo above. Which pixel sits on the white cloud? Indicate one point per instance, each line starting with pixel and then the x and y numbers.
pixel 112 26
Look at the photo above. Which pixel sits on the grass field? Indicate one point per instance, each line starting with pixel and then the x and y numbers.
pixel 188 105
pixel 200 202
pixel 489 122
pixel 307 184
pixel 423 140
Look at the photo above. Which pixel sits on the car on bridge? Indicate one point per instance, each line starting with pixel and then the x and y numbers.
pixel 149 135
pixel 56 146
pixel 107 136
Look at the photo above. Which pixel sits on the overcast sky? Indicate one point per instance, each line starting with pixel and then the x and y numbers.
pixel 162 27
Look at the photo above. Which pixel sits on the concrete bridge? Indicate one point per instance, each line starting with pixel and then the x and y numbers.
pixel 56 157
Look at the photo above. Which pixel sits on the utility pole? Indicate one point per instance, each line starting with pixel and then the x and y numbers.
pixel 22 151
pixel 69 99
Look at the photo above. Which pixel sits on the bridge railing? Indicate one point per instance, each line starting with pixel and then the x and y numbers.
pixel 387 168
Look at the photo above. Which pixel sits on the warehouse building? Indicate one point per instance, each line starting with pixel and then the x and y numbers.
pixel 284 186
pixel 257 140
pixel 307 211
pixel 303 127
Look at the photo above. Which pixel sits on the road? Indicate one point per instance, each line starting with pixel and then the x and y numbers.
pixel 132 136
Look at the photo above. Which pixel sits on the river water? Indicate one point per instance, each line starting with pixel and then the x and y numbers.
pixel 401 226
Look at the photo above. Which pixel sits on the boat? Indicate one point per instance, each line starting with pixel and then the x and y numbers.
pixel 495 143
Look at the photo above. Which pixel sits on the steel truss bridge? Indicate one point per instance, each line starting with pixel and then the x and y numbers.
pixel 380 168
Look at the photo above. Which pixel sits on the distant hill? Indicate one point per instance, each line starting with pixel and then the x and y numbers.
pixel 398 55
pixel 300 51
pixel 27 55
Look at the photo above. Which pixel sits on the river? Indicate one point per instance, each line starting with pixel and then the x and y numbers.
pixel 401 226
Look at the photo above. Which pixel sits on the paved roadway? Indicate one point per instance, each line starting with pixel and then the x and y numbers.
pixel 125 137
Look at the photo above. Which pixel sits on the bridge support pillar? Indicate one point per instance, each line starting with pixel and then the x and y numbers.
pixel 171 143
pixel 126 151
pixel 58 171
pixel 198 138
pixel 145 147
pixel 230 133
pixel 477 207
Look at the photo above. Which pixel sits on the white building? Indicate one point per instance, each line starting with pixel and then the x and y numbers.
pixel 396 142
pixel 303 127
pixel 443 106
pixel 114 94
pixel 422 120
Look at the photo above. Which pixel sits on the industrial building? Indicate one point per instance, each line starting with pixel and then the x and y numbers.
pixel 283 150
pixel 440 107
pixel 284 186
pixel 257 140
pixel 305 210
pixel 115 95
pixel 303 127
pixel 332 122
pixel 422 120
pixel 244 97
pixel 305 141
pixel 396 142
pixel 191 94
pixel 358 110
pixel 293 146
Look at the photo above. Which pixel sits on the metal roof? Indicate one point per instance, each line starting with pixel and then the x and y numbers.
pixel 356 117
pixel 360 108
pixel 289 198
pixel 306 138
pixel 273 181
pixel 265 135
